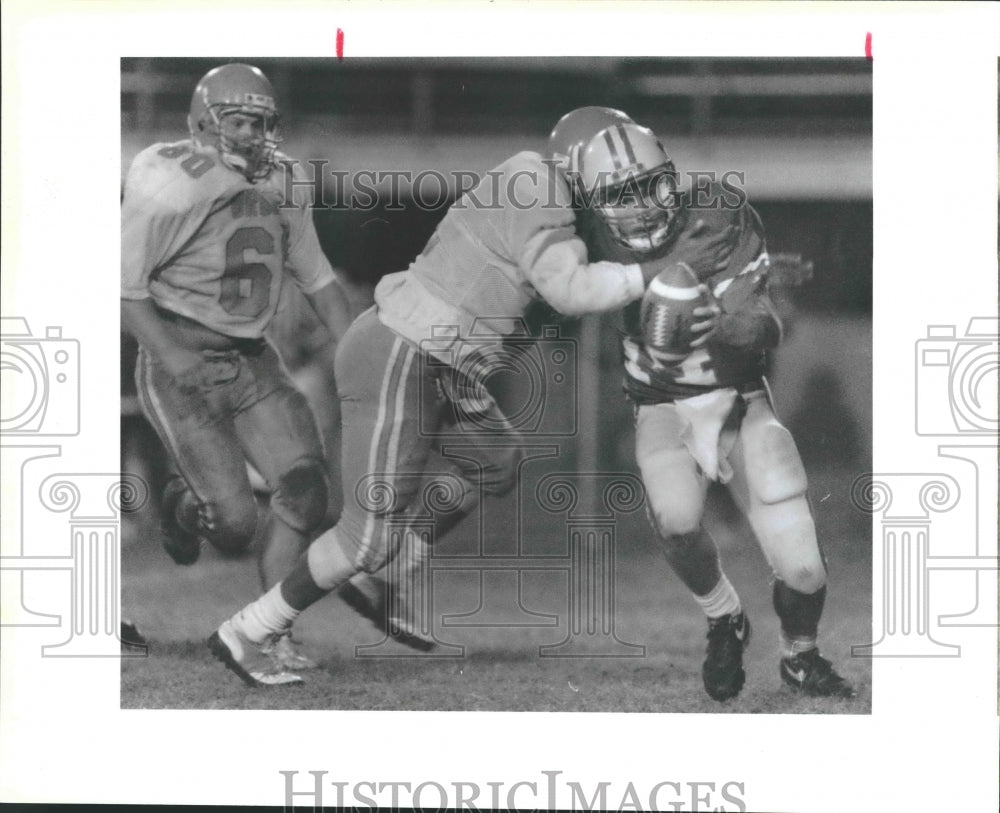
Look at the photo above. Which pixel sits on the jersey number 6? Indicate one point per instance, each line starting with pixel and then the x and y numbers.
pixel 246 286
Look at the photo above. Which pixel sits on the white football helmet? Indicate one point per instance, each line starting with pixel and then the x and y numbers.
pixel 631 182
pixel 237 88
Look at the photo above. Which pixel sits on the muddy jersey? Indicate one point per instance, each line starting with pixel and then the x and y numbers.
pixel 204 242
pixel 735 355
pixel 508 241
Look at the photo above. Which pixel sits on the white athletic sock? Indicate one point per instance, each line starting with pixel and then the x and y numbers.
pixel 790 647
pixel 720 600
pixel 266 616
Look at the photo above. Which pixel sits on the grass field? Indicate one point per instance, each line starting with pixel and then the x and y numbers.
pixel 499 667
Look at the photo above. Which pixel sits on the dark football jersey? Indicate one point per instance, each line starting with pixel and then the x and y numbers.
pixel 735 356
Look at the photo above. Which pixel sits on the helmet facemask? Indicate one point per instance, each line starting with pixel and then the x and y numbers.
pixel 248 149
pixel 641 210
pixel 631 185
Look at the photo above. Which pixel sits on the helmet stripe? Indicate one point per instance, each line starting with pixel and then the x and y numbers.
pixel 612 149
pixel 629 152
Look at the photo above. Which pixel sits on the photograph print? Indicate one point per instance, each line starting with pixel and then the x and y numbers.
pixel 497 384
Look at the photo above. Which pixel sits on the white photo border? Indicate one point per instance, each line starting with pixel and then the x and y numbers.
pixel 931 740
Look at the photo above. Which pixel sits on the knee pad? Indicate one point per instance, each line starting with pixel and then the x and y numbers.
pixel 675 493
pixel 301 495
pixel 805 577
pixel 774 468
pixel 674 520
pixel 675 487
pixel 230 524
pixel 787 535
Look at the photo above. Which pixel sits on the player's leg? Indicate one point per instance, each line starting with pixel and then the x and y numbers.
pixel 279 436
pixel 675 492
pixel 396 592
pixel 478 464
pixel 770 483
pixel 209 496
pixel 383 455
pixel 482 459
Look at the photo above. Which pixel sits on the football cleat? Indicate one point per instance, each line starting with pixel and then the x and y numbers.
pixel 371 600
pixel 409 634
pixel 722 672
pixel 180 544
pixel 286 653
pixel 129 635
pixel 255 664
pixel 812 674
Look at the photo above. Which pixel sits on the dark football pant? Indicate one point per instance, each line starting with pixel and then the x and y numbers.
pixel 395 406
pixel 243 407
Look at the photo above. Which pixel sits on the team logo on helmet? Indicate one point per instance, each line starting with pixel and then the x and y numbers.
pixel 630 181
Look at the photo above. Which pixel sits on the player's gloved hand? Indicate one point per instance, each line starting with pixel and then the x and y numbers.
pixel 705 250
pixel 708 317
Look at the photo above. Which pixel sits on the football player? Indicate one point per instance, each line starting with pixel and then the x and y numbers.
pixel 418 359
pixel 392 601
pixel 709 416
pixel 208 240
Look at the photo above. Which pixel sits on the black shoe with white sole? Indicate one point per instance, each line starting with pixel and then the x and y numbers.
pixel 812 674
pixel 722 671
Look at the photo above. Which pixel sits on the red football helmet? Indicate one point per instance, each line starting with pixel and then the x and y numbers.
pixel 632 184
pixel 576 128
pixel 243 89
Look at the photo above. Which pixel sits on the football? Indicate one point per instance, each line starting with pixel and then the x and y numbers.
pixel 668 312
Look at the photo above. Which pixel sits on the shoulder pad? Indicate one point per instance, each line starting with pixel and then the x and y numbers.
pixel 526 159
pixel 302 188
pixel 533 180
pixel 179 176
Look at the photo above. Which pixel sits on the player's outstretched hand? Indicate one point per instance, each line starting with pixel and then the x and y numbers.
pixel 708 317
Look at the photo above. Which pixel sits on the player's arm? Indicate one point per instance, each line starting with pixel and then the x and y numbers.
pixel 555 262
pixel 141 319
pixel 309 266
pixel 706 245
pixel 151 226
pixel 553 259
pixel 743 318
pixel 332 307
pixel 740 313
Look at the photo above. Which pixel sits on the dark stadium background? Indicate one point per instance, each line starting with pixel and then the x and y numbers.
pixel 799 128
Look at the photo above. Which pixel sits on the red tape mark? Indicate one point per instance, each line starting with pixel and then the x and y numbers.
pixel 340 44
pixel 868 46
